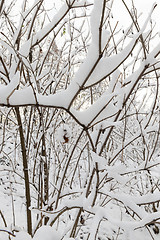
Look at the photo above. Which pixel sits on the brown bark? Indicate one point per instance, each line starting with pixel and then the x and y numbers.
pixel 25 171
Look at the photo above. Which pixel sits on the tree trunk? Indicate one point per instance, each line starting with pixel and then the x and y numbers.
pixel 25 170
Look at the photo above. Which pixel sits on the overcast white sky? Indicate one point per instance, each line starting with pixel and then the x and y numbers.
pixel 143 6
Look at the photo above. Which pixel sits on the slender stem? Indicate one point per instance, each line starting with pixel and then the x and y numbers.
pixel 25 171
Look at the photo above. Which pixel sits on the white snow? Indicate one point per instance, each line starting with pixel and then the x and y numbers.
pixel 7 91
pixel 47 233
pixel 43 233
pixel 24 95
pixel 22 236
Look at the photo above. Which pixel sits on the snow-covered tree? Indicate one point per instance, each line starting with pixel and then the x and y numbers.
pixel 79 121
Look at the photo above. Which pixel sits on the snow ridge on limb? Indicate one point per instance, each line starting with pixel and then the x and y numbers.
pixel 90 165
pixel 84 74
pixel 55 21
pixel 93 70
